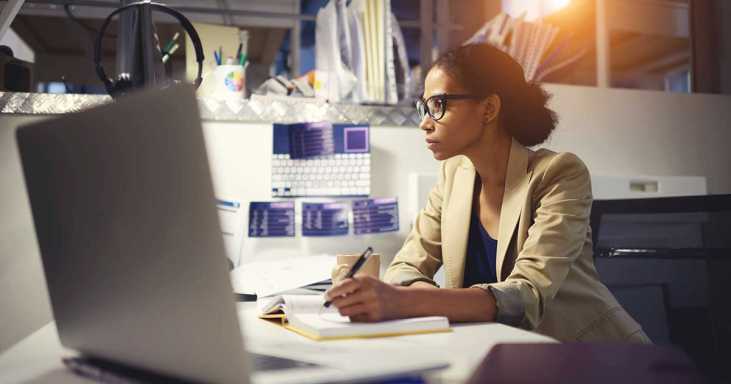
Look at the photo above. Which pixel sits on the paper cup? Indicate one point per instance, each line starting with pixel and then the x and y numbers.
pixel 371 267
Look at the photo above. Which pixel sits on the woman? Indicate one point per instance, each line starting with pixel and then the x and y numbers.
pixel 509 225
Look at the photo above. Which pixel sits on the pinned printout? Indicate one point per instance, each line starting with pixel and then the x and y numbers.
pixel 375 216
pixel 311 139
pixel 304 164
pixel 271 219
pixel 232 227
pixel 324 219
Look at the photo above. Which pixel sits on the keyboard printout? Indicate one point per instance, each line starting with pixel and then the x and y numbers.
pixel 311 169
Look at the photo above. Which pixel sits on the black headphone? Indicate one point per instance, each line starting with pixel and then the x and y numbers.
pixel 124 84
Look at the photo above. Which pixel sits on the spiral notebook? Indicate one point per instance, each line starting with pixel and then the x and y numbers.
pixel 305 315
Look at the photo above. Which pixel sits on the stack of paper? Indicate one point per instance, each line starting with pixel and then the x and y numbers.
pixel 372 14
pixel 354 50
pixel 267 278
pixel 527 42
pixel 494 32
pixel 530 44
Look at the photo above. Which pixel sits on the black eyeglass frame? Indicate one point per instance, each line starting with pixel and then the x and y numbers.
pixel 421 103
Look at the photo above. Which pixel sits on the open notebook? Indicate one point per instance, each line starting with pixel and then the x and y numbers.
pixel 305 314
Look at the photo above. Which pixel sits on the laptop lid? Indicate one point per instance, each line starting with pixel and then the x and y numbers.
pixel 124 210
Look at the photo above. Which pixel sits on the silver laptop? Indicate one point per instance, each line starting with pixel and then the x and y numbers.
pixel 124 211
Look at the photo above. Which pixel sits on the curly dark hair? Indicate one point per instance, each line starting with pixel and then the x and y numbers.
pixel 484 70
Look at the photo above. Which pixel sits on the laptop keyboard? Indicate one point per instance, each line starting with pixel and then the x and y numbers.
pixel 271 363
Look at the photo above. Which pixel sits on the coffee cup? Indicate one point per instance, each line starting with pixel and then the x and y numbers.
pixel 344 263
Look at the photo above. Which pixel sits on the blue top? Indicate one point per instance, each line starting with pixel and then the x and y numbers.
pixel 480 266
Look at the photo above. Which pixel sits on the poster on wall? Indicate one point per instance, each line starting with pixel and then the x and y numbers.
pixel 324 219
pixel 375 216
pixel 271 219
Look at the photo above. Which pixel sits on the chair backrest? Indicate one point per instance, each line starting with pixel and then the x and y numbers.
pixel 667 261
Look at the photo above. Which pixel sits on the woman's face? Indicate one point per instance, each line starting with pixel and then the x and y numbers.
pixel 461 126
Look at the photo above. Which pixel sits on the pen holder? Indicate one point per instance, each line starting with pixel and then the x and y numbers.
pixel 230 81
pixel 372 266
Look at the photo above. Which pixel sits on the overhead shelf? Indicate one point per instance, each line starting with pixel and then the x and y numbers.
pixel 258 109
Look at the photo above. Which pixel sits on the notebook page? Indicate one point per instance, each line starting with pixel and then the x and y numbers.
pixel 307 304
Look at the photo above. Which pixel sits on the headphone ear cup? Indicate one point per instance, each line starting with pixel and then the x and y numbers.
pixel 121 86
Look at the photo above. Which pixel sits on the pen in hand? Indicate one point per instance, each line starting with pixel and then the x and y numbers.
pixel 356 266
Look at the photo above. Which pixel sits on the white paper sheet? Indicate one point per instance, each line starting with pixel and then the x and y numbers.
pixel 267 278
pixel 230 216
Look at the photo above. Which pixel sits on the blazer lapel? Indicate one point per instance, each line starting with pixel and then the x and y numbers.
pixel 516 187
pixel 457 223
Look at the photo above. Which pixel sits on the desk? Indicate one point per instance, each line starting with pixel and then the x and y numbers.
pixel 36 359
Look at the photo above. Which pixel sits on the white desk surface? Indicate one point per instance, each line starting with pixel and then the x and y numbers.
pixel 36 359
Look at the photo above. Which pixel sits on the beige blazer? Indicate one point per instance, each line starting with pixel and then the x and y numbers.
pixel 547 281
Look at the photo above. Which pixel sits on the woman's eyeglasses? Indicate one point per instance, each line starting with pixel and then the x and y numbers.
pixel 436 105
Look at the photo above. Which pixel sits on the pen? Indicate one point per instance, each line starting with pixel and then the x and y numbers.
pixel 172 41
pixel 358 263
pixel 169 54
pixel 238 52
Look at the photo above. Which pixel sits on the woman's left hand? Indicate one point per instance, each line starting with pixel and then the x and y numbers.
pixel 367 299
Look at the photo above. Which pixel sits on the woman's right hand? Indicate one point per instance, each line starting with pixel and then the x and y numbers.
pixel 367 299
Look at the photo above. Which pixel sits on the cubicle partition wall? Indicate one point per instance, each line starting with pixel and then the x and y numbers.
pixel 241 160
pixel 618 133
pixel 632 133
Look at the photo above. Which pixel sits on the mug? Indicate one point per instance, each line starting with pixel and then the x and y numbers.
pixel 372 266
